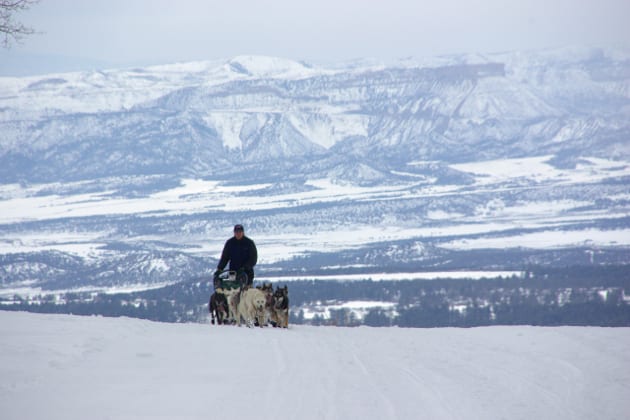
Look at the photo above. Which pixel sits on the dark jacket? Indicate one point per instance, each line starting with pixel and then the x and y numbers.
pixel 241 254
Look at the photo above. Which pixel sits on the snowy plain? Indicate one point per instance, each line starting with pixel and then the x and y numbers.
pixel 69 367
pixel 20 204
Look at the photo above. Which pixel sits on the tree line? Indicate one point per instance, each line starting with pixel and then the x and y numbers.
pixel 597 296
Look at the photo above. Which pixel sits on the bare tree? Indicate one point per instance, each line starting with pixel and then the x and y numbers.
pixel 11 30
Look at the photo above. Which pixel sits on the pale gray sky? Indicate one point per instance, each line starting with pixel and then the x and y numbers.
pixel 83 34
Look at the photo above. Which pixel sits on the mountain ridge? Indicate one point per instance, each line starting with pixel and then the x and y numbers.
pixel 391 113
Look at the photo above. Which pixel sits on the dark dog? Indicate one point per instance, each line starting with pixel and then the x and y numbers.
pixel 218 306
pixel 281 306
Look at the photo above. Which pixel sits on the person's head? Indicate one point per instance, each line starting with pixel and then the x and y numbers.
pixel 238 231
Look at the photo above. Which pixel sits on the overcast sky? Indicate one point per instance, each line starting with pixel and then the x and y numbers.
pixel 83 34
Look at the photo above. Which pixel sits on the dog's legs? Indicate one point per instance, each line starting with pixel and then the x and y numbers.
pixel 211 308
pixel 261 317
pixel 220 314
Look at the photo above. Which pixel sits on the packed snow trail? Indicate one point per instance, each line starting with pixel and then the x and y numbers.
pixel 69 367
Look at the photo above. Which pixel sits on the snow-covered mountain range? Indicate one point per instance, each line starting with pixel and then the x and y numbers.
pixel 135 176
pixel 202 119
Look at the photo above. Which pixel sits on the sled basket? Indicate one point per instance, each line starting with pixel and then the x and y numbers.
pixel 230 280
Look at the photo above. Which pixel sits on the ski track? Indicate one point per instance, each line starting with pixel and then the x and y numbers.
pixel 64 367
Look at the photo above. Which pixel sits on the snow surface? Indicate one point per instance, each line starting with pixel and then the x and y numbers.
pixel 69 367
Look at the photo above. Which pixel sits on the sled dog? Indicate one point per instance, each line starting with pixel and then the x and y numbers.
pixel 251 307
pixel 218 307
pixel 281 306
pixel 270 314
pixel 232 296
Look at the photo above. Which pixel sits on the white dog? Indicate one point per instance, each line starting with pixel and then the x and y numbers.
pixel 251 307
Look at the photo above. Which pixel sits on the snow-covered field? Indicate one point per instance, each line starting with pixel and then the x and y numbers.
pixel 37 203
pixel 68 367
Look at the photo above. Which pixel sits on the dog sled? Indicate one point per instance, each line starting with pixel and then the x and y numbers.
pixel 234 302
pixel 229 279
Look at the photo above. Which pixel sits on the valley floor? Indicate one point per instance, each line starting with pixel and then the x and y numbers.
pixel 70 367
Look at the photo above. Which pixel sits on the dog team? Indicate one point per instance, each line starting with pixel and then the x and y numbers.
pixel 234 299
pixel 259 306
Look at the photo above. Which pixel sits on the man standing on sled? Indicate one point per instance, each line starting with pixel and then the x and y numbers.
pixel 242 254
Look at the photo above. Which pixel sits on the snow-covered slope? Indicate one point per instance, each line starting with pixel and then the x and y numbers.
pixel 67 367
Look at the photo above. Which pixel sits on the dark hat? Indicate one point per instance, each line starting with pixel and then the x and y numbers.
pixel 238 227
